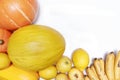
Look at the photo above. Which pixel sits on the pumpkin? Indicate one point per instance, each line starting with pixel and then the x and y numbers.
pixel 35 47
pixel 17 13
pixel 4 37
pixel 14 73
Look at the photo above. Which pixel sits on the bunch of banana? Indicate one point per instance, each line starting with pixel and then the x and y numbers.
pixel 108 69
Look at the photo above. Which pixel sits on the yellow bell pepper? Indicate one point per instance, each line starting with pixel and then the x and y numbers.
pixel 13 73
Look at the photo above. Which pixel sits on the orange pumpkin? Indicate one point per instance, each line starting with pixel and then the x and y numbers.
pixel 4 36
pixel 17 13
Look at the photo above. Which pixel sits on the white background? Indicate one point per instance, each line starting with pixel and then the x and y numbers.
pixel 93 25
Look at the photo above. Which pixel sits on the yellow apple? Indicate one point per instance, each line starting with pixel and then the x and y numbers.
pixel 62 76
pixel 75 74
pixel 64 64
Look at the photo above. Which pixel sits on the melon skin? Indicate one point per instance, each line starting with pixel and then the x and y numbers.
pixel 35 47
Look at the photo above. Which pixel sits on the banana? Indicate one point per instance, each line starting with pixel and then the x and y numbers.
pixel 109 65
pixel 117 66
pixel 99 66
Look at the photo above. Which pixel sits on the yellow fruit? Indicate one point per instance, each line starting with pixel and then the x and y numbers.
pixel 13 73
pixel 48 73
pixel 80 59
pixel 62 77
pixel 4 60
pixel 75 74
pixel 1 78
pixel 64 64
pixel 35 47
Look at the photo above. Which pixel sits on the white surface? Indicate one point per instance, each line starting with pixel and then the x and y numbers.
pixel 89 24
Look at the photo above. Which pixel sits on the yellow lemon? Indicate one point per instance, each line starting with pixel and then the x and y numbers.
pixel 80 59
pixel 48 73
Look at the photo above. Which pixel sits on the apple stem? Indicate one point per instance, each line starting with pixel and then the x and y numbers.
pixel 76 75
pixel 67 62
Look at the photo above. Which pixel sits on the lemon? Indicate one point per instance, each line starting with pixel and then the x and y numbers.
pixel 48 73
pixel 80 59
pixel 4 60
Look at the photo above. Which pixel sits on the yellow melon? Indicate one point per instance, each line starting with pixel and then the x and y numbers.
pixel 35 47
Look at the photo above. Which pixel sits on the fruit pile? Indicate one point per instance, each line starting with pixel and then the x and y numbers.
pixel 66 68
pixel 107 69
pixel 14 15
pixel 30 52
pixel 26 48
pixel 100 69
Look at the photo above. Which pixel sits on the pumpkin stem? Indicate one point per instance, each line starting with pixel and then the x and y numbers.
pixel 1 42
